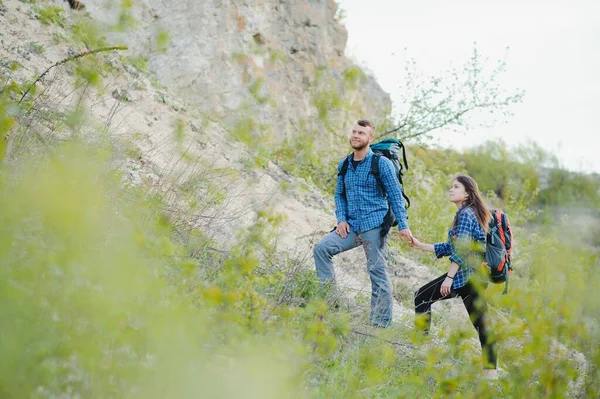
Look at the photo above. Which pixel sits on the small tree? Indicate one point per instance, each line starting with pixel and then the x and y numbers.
pixel 434 102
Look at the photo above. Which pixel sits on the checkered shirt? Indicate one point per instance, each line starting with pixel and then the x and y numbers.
pixel 465 246
pixel 364 206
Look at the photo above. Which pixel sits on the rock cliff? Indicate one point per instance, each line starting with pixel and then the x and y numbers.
pixel 280 61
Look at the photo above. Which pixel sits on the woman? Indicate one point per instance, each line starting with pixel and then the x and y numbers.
pixel 465 247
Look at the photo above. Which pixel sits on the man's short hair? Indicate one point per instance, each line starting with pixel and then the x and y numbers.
pixel 365 123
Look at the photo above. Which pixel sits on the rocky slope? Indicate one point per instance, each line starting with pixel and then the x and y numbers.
pixel 280 61
pixel 144 119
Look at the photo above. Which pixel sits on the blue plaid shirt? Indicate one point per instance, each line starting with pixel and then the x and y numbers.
pixel 364 206
pixel 465 246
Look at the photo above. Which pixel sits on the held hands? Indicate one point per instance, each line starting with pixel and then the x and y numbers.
pixel 415 243
pixel 406 233
pixel 343 229
pixel 424 247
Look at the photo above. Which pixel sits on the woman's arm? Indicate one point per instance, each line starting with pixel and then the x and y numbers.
pixel 453 269
pixel 440 249
pixel 422 246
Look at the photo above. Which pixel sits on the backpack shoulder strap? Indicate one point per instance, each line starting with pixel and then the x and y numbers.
pixel 344 168
pixel 342 174
pixel 507 233
pixel 403 154
pixel 375 171
pixel 499 217
pixel 492 226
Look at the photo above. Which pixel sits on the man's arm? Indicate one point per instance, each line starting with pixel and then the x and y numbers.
pixel 341 205
pixel 393 190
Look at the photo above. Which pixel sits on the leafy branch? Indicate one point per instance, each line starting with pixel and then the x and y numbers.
pixel 434 102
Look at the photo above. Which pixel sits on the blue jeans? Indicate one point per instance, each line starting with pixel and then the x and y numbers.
pixel 375 248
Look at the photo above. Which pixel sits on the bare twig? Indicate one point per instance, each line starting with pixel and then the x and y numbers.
pixel 68 59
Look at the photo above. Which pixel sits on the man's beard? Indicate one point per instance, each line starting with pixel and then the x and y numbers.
pixel 358 146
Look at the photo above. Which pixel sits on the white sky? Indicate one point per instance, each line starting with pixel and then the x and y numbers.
pixel 554 56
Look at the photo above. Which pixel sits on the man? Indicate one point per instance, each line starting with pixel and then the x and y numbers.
pixel 360 210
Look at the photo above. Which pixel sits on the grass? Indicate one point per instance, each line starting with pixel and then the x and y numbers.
pixel 275 56
pixel 354 77
pixel 138 62
pixel 51 15
pixel 36 48
pixel 98 253
pixel 255 90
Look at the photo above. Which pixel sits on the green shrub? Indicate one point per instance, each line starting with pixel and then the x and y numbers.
pixel 354 77
pixel 276 55
pixel 36 47
pixel 255 90
pixel 51 15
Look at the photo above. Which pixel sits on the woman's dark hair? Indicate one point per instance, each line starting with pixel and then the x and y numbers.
pixel 475 201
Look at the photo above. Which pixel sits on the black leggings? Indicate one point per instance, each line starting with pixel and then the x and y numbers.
pixel 476 306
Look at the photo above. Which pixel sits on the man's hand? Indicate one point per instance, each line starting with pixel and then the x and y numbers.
pixel 342 229
pixel 406 234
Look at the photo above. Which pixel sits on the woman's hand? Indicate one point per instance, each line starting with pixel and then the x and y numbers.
pixel 419 245
pixel 446 286
pixel 415 243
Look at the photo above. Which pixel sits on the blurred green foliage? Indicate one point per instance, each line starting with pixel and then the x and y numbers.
pixel 102 295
